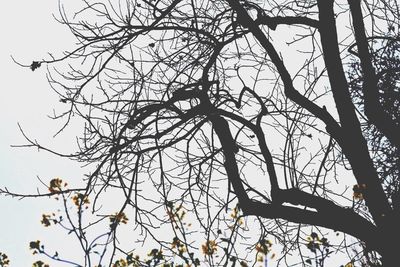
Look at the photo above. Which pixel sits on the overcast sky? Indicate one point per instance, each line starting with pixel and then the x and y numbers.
pixel 28 32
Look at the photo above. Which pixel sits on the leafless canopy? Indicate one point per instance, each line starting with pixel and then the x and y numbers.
pixel 288 108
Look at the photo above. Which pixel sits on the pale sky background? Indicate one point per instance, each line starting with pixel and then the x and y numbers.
pixel 28 32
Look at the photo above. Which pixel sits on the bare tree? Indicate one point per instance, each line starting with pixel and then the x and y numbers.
pixel 193 106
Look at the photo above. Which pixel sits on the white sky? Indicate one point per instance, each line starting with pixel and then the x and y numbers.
pixel 28 32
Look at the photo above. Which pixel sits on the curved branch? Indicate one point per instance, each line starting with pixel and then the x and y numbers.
pixel 328 214
pixel 321 113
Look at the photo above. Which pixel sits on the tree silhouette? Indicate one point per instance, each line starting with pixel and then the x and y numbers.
pixel 234 121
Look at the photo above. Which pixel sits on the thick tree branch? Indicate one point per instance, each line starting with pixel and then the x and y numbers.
pixel 332 217
pixel 263 148
pixel 328 214
pixel 373 109
pixel 321 113
pixel 273 22
pixel 354 145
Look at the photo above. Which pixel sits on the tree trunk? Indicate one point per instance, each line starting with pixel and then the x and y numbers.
pixel 390 251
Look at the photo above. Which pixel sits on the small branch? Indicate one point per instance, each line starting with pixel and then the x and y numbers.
pixel 273 22
pixel 6 192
